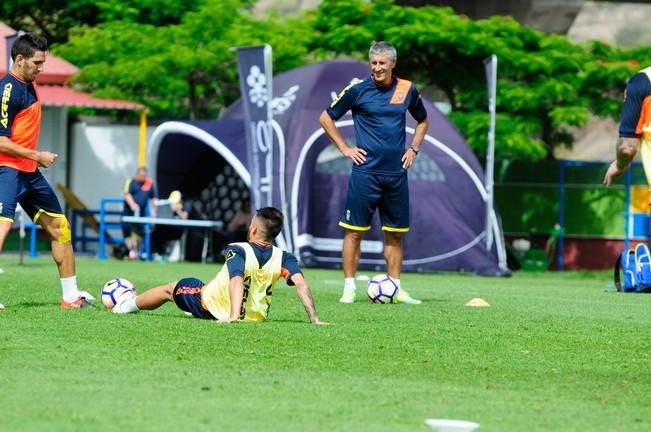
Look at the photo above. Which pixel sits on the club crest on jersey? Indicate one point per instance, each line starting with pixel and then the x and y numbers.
pixel 4 105
pixel 230 254
pixel 401 91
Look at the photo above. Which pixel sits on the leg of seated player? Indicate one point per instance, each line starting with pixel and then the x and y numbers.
pixel 149 300
pixel 155 297
pixel 185 294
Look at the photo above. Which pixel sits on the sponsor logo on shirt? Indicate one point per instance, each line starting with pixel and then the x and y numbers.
pixel 4 105
pixel 188 290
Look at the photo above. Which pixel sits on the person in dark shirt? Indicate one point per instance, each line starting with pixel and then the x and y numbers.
pixel 138 193
pixel 243 288
pixel 379 104
pixel 634 129
pixel 20 179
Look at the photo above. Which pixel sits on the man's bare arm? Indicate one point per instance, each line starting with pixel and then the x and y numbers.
pixel 133 205
pixel 409 156
pixel 43 158
pixel 304 293
pixel 356 154
pixel 419 134
pixel 626 151
pixel 236 289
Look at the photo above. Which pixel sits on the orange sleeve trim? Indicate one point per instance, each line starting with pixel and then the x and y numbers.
pixel 401 91
pixel 645 115
pixel 284 273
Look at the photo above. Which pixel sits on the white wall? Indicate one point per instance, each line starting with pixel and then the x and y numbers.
pixel 53 137
pixel 103 157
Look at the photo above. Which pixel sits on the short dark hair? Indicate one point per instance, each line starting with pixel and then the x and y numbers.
pixel 27 44
pixel 272 219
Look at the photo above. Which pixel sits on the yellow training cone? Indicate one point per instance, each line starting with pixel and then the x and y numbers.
pixel 478 302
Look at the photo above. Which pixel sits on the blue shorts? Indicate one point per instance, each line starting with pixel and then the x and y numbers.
pixel 368 192
pixel 187 296
pixel 30 189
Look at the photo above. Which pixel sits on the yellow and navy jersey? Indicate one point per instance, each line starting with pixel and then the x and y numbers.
pixel 636 115
pixel 260 267
pixel 379 114
pixel 20 119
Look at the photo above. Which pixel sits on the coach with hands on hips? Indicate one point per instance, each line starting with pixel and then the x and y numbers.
pixel 379 177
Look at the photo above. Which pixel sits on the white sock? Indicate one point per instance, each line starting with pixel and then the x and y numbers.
pixel 69 287
pixel 395 281
pixel 349 285
pixel 129 305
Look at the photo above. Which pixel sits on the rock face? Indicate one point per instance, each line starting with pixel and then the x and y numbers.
pixel 553 16
pixel 621 24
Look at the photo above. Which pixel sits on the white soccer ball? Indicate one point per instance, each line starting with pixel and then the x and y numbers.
pixel 381 289
pixel 114 289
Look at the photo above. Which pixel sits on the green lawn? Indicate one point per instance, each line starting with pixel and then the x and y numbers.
pixel 554 352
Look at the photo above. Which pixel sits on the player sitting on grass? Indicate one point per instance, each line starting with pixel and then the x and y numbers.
pixel 242 289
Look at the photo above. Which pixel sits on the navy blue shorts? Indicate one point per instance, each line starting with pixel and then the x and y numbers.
pixel 368 192
pixel 30 189
pixel 187 296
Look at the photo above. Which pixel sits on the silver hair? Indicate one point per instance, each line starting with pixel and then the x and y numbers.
pixel 382 47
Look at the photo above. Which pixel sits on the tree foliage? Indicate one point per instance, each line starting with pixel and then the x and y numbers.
pixel 180 70
pixel 55 18
pixel 174 56
pixel 546 84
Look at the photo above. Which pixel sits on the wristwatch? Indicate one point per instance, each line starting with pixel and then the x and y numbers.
pixel 414 150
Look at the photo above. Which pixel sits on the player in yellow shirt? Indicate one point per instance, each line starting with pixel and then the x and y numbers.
pixel 242 289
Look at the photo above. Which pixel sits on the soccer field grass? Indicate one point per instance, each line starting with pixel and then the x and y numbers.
pixel 554 352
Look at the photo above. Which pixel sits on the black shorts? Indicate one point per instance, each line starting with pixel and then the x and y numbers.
pixel 187 296
pixel 31 190
pixel 129 228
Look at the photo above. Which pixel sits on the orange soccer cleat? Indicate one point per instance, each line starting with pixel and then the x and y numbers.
pixel 79 303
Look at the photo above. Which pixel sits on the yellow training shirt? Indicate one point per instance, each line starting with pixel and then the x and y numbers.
pixel 258 284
